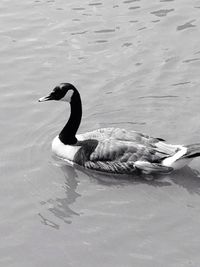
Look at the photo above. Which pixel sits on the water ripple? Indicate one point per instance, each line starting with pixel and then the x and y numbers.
pixel 155 21
pixel 95 4
pixel 105 31
pixel 130 1
pixel 191 60
pixel 143 28
pixel 134 7
pixel 78 8
pixel 101 41
pixel 158 96
pixel 181 83
pixel 186 25
pixel 78 33
pixel 127 44
pixel 162 12
pixel 133 21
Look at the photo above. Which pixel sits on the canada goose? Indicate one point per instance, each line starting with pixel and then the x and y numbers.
pixel 114 150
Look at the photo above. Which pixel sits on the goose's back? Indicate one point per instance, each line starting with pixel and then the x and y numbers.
pixel 118 150
pixel 119 134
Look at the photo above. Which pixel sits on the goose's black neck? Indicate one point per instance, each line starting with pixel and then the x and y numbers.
pixel 68 134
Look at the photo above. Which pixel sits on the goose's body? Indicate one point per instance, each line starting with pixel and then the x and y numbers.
pixel 113 149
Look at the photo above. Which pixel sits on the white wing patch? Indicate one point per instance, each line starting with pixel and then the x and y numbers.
pixel 172 161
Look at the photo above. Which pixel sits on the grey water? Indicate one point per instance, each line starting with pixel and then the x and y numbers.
pixel 136 64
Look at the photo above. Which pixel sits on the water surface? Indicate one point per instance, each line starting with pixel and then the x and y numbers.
pixel 136 65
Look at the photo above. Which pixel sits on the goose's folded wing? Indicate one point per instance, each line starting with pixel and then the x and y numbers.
pixel 119 156
pixel 111 166
pixel 127 151
pixel 127 167
pixel 166 149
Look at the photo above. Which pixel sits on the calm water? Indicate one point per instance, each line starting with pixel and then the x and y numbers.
pixel 136 64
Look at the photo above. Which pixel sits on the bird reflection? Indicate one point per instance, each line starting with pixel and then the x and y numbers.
pixel 189 179
pixel 48 222
pixel 60 207
pixel 111 179
pixel 186 178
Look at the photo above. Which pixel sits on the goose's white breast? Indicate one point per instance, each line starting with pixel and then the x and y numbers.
pixel 64 151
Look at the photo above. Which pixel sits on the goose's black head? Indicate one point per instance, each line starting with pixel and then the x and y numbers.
pixel 62 92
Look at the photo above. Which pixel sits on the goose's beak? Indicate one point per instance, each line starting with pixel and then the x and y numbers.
pixel 45 98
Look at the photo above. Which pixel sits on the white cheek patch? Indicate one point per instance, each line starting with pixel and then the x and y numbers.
pixel 68 96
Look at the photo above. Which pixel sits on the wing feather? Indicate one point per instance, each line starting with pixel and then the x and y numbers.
pixel 122 151
pixel 110 166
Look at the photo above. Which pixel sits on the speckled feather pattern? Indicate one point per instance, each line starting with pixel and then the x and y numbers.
pixel 117 150
pixel 124 151
pixel 119 134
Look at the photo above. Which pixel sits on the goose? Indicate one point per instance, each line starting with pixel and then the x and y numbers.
pixel 114 150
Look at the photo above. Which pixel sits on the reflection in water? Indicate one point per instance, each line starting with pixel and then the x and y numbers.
pixel 189 179
pixel 111 179
pixel 48 222
pixel 60 207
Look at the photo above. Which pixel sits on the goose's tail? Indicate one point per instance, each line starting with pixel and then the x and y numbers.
pixel 183 156
pixel 193 151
